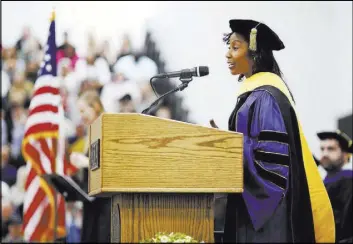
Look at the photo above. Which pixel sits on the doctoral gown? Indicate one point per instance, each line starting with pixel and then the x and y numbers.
pixel 339 188
pixel 284 198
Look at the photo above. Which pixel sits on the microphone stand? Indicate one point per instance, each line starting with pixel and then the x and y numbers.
pixel 182 86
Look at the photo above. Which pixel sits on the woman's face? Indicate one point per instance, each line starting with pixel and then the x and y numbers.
pixel 88 114
pixel 69 51
pixel 90 60
pixel 237 55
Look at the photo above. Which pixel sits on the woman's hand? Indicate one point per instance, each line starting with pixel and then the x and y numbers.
pixel 213 124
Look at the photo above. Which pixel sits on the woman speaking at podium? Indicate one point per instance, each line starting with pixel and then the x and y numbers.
pixel 284 199
pixel 96 214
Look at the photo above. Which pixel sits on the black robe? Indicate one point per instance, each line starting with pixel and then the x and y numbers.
pixel 339 188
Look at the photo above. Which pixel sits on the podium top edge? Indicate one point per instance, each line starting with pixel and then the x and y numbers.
pixel 109 114
pixel 113 190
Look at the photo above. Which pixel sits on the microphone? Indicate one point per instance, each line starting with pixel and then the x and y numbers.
pixel 185 77
pixel 185 73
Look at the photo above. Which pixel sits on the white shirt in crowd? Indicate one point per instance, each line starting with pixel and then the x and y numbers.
pixel 5 83
pixel 142 70
pixel 99 71
pixel 114 91
pixel 17 191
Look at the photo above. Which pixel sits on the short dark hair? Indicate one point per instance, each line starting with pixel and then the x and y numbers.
pixel 126 98
pixel 264 61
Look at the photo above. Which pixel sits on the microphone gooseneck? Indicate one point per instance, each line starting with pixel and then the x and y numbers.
pixel 185 76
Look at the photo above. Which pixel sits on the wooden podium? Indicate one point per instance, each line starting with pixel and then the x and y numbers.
pixel 162 174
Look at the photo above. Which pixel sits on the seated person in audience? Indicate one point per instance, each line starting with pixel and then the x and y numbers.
pixel 15 234
pixel 28 46
pixel 164 112
pixel 21 89
pixel 120 86
pixel 336 150
pixel 8 171
pixel 126 104
pixel 77 142
pixel 96 214
pixel 17 191
pixel 98 68
pixel 93 76
pixel 5 191
pixel 4 135
pixel 5 84
pixel 32 68
pixel 13 63
pixel 7 209
pixel 66 41
pixel 19 115
pixel 68 52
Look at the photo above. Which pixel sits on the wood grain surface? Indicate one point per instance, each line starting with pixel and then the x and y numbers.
pixel 142 153
pixel 140 216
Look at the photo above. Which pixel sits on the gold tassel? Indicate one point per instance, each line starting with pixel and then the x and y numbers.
pixel 252 44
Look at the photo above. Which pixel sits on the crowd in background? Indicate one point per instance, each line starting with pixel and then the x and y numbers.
pixel 120 77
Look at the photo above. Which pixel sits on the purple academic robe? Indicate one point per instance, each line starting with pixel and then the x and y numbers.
pixel 265 160
pixel 266 168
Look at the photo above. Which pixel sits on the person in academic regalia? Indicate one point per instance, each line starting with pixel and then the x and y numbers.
pixel 284 198
pixel 96 214
pixel 336 150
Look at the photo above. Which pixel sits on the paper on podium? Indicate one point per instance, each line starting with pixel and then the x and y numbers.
pixel 67 187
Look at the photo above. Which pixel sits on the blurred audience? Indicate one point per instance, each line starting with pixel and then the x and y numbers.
pixel 28 46
pixel 164 112
pixel 15 234
pixel 7 210
pixel 119 79
pixel 8 171
pixel 337 173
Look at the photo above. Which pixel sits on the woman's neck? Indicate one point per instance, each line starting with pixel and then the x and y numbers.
pixel 247 75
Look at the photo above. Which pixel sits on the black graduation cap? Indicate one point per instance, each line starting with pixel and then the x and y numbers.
pixel 342 138
pixel 258 34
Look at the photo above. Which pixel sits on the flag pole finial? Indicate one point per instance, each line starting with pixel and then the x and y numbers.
pixel 52 18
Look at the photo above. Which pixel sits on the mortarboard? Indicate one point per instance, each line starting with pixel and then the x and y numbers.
pixel 258 34
pixel 344 140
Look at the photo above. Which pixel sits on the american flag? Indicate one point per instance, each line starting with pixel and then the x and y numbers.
pixel 43 150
